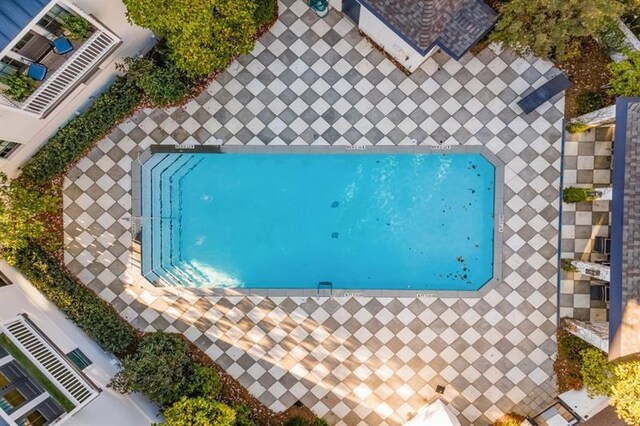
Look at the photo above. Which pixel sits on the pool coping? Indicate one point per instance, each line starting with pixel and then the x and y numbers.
pixel 499 166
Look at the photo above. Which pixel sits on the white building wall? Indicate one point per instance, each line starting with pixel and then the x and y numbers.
pixel 109 407
pixel 32 132
pixel 391 42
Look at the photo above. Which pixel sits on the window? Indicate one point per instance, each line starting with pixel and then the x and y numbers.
pixel 9 67
pixel 6 148
pixel 34 419
pixel 13 399
pixel 19 45
pixel 79 359
pixel 4 281
pixel 4 382
pixel 52 21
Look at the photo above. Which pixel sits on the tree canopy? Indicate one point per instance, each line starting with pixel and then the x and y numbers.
pixel 203 35
pixel 553 28
pixel 23 216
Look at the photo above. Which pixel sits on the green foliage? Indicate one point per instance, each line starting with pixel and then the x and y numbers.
pixel 568 361
pixel 36 373
pixel 597 372
pixel 265 12
pixel 71 142
pixel 509 419
pixel 553 28
pixel 163 85
pixel 76 27
pixel 625 392
pixel 23 211
pixel 19 86
pixel 632 17
pixel 568 266
pixel 202 35
pixel 199 412
pixel 98 320
pixel 243 413
pixel 611 37
pixel 577 127
pixel 160 369
pixel 572 194
pixel 589 101
pixel 203 382
pixel 625 75
pixel 297 421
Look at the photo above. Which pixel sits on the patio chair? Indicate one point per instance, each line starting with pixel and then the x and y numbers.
pixel 543 93
pixel 602 245
pixel 62 45
pixel 37 71
pixel 600 292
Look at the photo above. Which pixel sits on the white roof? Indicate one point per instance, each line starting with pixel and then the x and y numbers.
pixel 435 414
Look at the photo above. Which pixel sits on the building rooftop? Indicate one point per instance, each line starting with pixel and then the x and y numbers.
pixel 15 15
pixel 624 339
pixel 454 25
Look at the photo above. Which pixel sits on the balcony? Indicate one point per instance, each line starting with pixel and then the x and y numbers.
pixel 67 74
pixel 64 69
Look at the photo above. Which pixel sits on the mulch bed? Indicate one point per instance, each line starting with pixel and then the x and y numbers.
pixel 588 73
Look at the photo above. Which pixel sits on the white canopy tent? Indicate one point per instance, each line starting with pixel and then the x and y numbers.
pixel 435 414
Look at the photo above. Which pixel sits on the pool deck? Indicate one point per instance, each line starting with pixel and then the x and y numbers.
pixel 354 360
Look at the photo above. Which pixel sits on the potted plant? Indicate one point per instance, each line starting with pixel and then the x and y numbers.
pixel 568 266
pixel 76 27
pixel 19 86
pixel 577 195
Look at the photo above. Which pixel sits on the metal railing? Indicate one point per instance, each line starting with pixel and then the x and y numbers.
pixel 47 358
pixel 92 51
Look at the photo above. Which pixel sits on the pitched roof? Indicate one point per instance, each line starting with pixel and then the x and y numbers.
pixel 455 25
pixel 15 15
pixel 624 315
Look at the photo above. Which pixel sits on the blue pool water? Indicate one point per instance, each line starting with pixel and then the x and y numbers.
pixel 367 221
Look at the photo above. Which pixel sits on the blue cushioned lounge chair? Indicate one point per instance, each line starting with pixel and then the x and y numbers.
pixel 37 71
pixel 62 45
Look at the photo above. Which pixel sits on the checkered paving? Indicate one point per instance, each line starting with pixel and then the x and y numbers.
pixel 352 360
pixel 587 163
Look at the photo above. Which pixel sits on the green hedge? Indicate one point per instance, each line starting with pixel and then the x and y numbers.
pixel 265 12
pixel 71 142
pixel 98 320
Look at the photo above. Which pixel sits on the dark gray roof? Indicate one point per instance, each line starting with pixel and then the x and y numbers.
pixel 624 324
pixel 15 15
pixel 455 25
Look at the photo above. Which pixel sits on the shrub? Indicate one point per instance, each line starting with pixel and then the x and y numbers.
pixel 577 127
pixel 76 27
pixel 163 85
pixel 611 37
pixel 203 382
pixel 265 12
pixel 23 216
pixel 589 101
pixel 509 419
pixel 568 266
pixel 597 372
pixel 625 75
pixel 19 86
pixel 71 142
pixel 299 421
pixel 553 29
pixel 568 361
pixel 243 413
pixel 572 194
pixel 625 392
pixel 199 412
pixel 159 369
pixel 209 33
pixel 98 320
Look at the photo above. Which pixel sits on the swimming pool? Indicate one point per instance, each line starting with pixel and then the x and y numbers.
pixel 292 221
